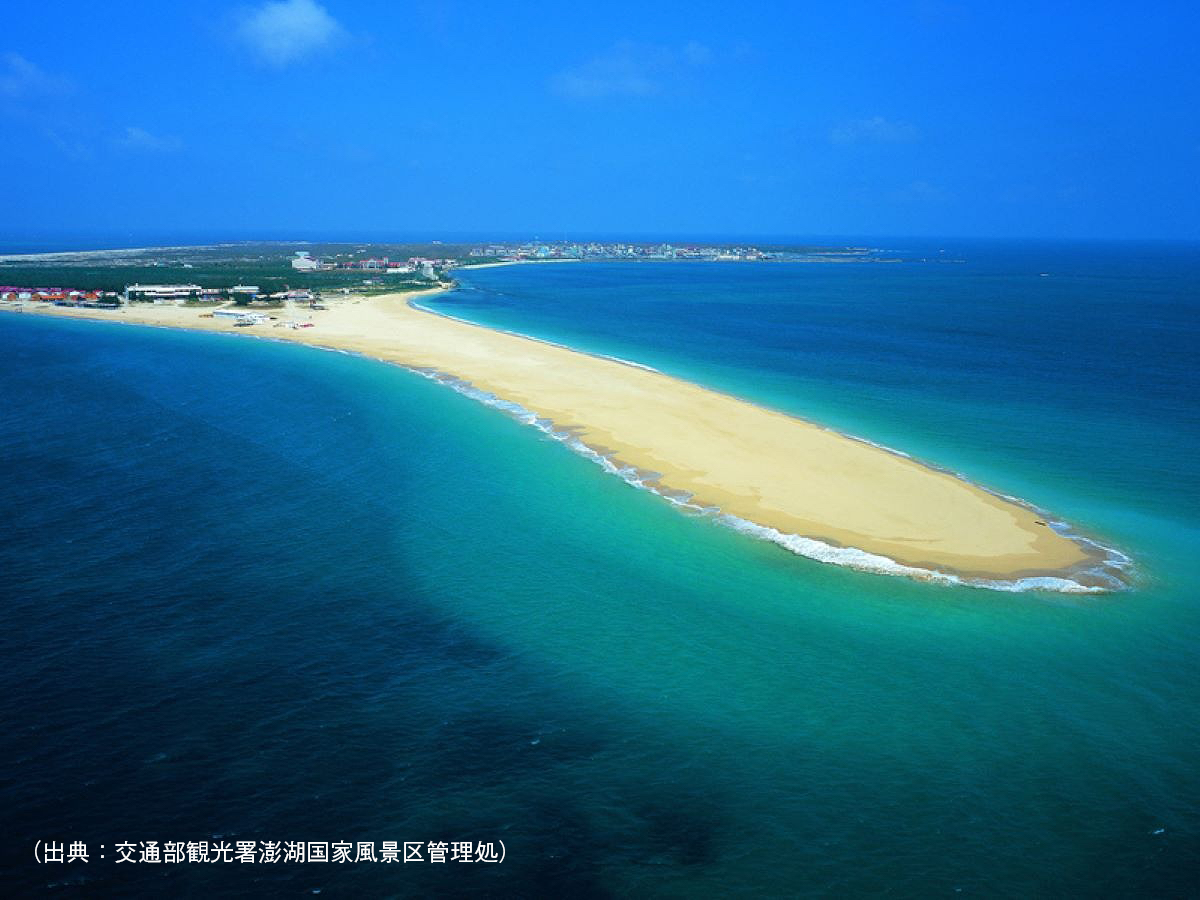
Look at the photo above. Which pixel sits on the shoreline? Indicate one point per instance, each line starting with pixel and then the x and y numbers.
pixel 819 493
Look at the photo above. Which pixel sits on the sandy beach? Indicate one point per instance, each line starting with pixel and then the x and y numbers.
pixel 762 466
pixel 518 262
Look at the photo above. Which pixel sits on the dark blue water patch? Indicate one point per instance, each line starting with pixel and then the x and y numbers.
pixel 193 646
pixel 226 615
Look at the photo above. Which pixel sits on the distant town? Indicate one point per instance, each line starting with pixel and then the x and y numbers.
pixel 283 275
pixel 653 251
pixel 532 251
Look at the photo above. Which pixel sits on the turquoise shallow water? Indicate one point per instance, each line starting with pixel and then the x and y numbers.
pixel 267 592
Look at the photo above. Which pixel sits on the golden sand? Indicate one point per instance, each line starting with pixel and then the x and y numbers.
pixel 762 466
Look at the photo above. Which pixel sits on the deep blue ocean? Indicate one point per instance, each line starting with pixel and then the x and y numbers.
pixel 256 591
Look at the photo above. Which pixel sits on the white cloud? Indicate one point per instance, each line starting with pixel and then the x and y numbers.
pixel 875 130
pixel 19 78
pixel 142 141
pixel 630 69
pixel 281 32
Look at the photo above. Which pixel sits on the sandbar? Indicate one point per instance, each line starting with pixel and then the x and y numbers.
pixel 755 465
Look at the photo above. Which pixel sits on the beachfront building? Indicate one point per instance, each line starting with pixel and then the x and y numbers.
pixel 178 294
pixel 244 293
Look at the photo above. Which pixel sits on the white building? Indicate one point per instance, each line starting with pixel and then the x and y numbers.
pixel 237 315
pixel 178 294
pixel 303 262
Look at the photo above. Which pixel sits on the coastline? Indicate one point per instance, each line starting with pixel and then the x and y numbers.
pixel 819 493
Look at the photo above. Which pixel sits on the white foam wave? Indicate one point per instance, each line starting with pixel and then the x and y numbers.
pixel 877 446
pixel 864 561
pixel 630 362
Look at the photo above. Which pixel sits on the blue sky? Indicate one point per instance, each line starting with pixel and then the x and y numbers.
pixel 305 119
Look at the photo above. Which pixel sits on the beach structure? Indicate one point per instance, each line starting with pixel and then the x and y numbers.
pixel 238 315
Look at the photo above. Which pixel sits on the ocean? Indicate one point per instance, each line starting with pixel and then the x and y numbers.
pixel 261 592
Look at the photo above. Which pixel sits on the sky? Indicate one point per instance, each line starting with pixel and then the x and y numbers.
pixel 310 119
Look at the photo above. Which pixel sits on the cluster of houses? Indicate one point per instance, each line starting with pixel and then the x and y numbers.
pixel 169 294
pixel 60 297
